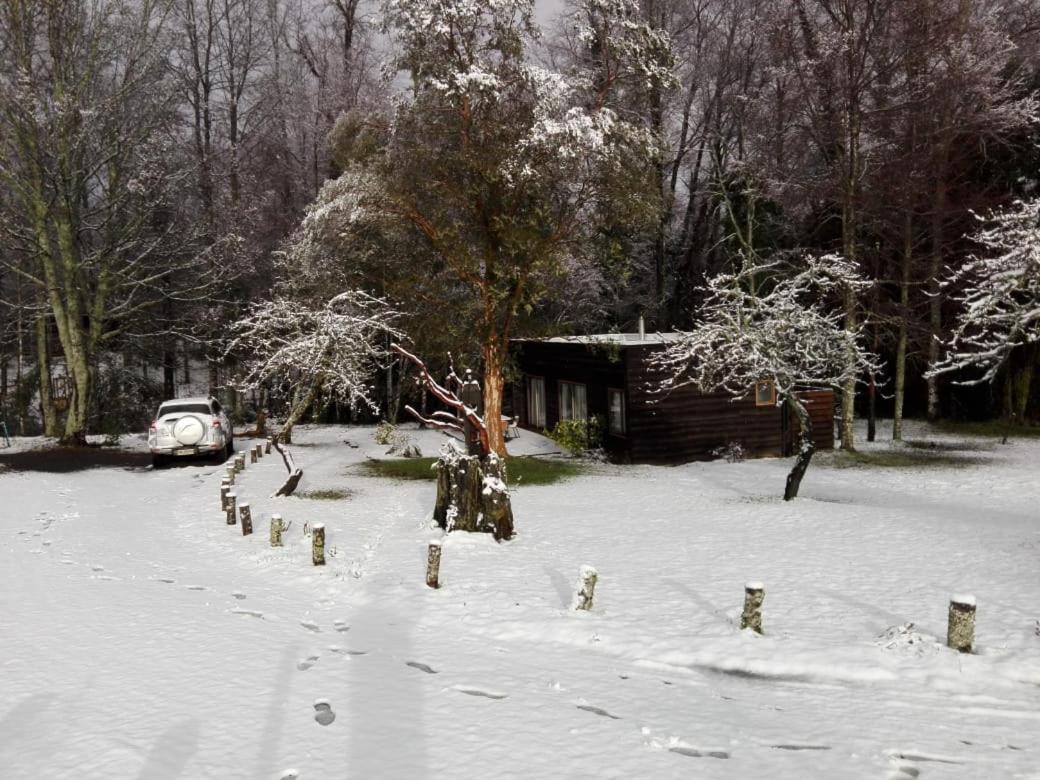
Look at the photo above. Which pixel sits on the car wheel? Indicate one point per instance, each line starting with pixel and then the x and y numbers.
pixel 158 461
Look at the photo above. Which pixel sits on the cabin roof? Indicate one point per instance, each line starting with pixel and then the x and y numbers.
pixel 618 339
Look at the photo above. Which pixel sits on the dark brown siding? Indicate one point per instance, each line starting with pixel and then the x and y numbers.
pixel 686 424
pixel 820 404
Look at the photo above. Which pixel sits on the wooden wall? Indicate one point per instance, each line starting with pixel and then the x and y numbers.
pixel 675 427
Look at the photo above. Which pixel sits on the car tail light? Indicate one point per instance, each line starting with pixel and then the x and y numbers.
pixel 216 423
pixel 154 426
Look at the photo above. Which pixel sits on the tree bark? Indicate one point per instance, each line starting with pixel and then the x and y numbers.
pixel 806 446
pixel 902 336
pixel 43 364
pixel 494 384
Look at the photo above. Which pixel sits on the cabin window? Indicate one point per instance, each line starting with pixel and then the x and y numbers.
pixel 616 412
pixel 765 393
pixel 572 402
pixel 536 401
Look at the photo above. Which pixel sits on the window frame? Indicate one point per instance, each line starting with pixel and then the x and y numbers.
pixel 772 392
pixel 559 395
pixel 527 399
pixel 624 414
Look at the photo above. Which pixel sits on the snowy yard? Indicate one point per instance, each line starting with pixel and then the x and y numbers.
pixel 142 637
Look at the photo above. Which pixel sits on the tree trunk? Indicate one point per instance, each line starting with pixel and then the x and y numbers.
pixel 299 407
pixel 806 446
pixel 902 336
pixel 494 384
pixel 848 389
pixel 935 293
pixel 1022 377
pixel 472 495
pixel 43 363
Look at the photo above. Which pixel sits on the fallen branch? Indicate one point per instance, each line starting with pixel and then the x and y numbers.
pixel 295 474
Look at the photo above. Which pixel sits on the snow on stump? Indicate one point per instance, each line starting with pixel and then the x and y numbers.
pixel 960 634
pixel 318 544
pixel 277 527
pixel 472 494
pixel 586 588
pixel 267 447
pixel 754 595
pixel 433 565
pixel 230 475
pixel 225 488
pixel 240 463
pixel 230 509
pixel 247 518
pixel 252 454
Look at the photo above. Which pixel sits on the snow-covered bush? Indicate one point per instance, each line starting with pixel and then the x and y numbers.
pixel 384 433
pixel 732 452
pixel 578 436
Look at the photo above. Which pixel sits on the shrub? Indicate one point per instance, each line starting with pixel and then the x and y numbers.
pixel 385 432
pixel 578 436
pixel 733 452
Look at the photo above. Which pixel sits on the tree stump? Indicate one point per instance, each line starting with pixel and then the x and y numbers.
pixel 433 565
pixel 230 510
pixel 240 463
pixel 252 454
pixel 318 544
pixel 472 494
pixel 267 447
pixel 754 595
pixel 259 451
pixel 960 632
pixel 230 475
pixel 587 579
pixel 225 488
pixel 277 527
pixel 247 518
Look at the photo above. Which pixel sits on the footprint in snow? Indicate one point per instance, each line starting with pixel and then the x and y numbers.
pixel 477 692
pixel 341 626
pixel 166 580
pixel 238 595
pixel 323 712
pixel 67 562
pixel 311 626
pixel 97 568
pixel 289 774
pixel 800 747
pixel 597 711
pixel 693 753
pixel 307 663
pixel 195 587
pixel 421 667
pixel 251 612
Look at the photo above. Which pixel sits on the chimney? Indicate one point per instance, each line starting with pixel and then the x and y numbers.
pixel 642 328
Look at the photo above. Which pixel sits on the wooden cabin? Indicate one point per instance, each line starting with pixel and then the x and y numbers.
pixel 610 375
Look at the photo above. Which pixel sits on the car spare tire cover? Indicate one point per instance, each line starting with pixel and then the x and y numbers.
pixel 189 430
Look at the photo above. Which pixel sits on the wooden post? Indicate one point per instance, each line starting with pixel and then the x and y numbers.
pixel 240 463
pixel 754 595
pixel 960 633
pixel 247 518
pixel 267 447
pixel 225 488
pixel 433 565
pixel 230 474
pixel 230 510
pixel 259 451
pixel 252 454
pixel 586 588
pixel 318 544
pixel 276 530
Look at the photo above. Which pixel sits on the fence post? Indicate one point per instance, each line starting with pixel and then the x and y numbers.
pixel 225 488
pixel 960 632
pixel 318 544
pixel 276 530
pixel 247 518
pixel 433 564
pixel 754 595
pixel 230 510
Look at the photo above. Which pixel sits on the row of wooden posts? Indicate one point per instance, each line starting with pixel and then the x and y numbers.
pixel 960 633
pixel 232 509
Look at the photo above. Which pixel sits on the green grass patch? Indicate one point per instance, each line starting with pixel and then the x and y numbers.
pixel 994 429
pixel 329 494
pixel 908 457
pixel 520 471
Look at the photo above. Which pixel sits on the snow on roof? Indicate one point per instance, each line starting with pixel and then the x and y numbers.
pixel 194 399
pixel 621 339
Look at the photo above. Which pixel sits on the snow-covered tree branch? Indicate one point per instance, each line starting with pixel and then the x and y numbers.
pixel 329 352
pixel 768 322
pixel 999 294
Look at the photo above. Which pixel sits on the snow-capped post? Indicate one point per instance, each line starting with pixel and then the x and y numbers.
pixel 960 633
pixel 771 321
pixel 231 510
pixel 318 544
pixel 246 517
pixel 586 588
pixel 277 526
pixel 259 451
pixel 230 474
pixel 267 447
pixel 240 463
pixel 433 564
pixel 754 595
pixel 252 454
pixel 225 488
pixel 471 487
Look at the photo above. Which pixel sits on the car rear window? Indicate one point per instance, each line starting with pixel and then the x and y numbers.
pixel 183 409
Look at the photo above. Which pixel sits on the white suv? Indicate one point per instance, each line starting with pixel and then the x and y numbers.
pixel 190 426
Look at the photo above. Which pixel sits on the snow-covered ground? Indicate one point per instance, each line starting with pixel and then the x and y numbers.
pixel 142 637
